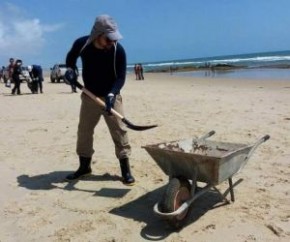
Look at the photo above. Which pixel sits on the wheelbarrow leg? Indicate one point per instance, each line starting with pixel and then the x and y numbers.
pixel 231 189
pixel 194 182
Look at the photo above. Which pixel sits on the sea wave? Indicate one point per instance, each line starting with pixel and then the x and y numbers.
pixel 253 59
pixel 249 60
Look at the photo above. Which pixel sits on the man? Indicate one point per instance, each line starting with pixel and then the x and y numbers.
pixel 2 72
pixel 36 75
pixel 141 72
pixel 104 73
pixel 17 71
pixel 8 80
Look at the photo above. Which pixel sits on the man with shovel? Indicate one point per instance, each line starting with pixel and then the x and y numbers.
pixel 104 72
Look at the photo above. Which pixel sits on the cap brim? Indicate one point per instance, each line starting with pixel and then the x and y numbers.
pixel 114 35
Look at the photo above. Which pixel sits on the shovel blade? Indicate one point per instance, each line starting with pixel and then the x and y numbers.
pixel 137 127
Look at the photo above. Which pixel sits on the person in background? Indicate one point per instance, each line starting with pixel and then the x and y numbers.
pixel 141 77
pixel 36 75
pixel 2 72
pixel 104 72
pixel 136 71
pixel 10 69
pixel 15 76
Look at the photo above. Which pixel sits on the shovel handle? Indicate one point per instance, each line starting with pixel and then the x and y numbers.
pixel 101 102
pixel 113 111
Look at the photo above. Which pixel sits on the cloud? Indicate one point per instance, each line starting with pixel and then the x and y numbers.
pixel 21 35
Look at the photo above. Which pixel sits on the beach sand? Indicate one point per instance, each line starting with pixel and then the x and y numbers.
pixel 38 136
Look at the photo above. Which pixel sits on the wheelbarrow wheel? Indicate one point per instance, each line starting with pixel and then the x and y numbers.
pixel 176 193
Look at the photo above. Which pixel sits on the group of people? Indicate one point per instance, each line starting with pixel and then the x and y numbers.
pixel 14 72
pixel 138 69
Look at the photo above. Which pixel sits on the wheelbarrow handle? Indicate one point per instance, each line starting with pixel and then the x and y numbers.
pixel 254 147
pixel 266 137
pixel 207 135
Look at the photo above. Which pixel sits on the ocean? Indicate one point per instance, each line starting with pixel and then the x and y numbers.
pixel 265 65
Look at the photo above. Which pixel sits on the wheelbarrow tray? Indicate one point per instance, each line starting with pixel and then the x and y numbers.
pixel 211 162
pixel 196 160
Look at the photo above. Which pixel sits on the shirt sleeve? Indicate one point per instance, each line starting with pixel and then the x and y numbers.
pixel 120 69
pixel 74 52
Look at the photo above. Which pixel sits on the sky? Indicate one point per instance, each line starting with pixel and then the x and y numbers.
pixel 42 32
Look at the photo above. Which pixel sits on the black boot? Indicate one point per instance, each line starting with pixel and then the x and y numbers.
pixel 83 170
pixel 128 179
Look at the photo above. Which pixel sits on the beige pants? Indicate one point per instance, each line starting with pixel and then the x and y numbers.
pixel 90 114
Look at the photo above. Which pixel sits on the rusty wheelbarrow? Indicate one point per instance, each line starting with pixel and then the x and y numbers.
pixel 189 161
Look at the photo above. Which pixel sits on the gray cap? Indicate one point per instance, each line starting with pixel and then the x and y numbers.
pixel 105 24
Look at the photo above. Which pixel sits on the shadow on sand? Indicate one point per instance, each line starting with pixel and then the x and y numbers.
pixel 49 181
pixel 140 209
pixel 157 229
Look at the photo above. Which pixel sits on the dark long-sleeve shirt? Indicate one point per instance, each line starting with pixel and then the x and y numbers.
pixel 104 70
pixel 36 72
pixel 16 71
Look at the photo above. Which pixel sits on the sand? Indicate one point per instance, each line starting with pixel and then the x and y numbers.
pixel 38 136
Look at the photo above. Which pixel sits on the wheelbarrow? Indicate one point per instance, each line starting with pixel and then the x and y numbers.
pixel 189 161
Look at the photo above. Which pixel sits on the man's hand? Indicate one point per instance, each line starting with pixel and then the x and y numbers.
pixel 110 101
pixel 70 76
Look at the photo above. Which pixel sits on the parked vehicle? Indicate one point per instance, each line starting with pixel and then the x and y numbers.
pixel 25 74
pixel 57 72
pixel 23 77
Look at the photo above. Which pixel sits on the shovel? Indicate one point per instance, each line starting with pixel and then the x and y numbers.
pixel 113 111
